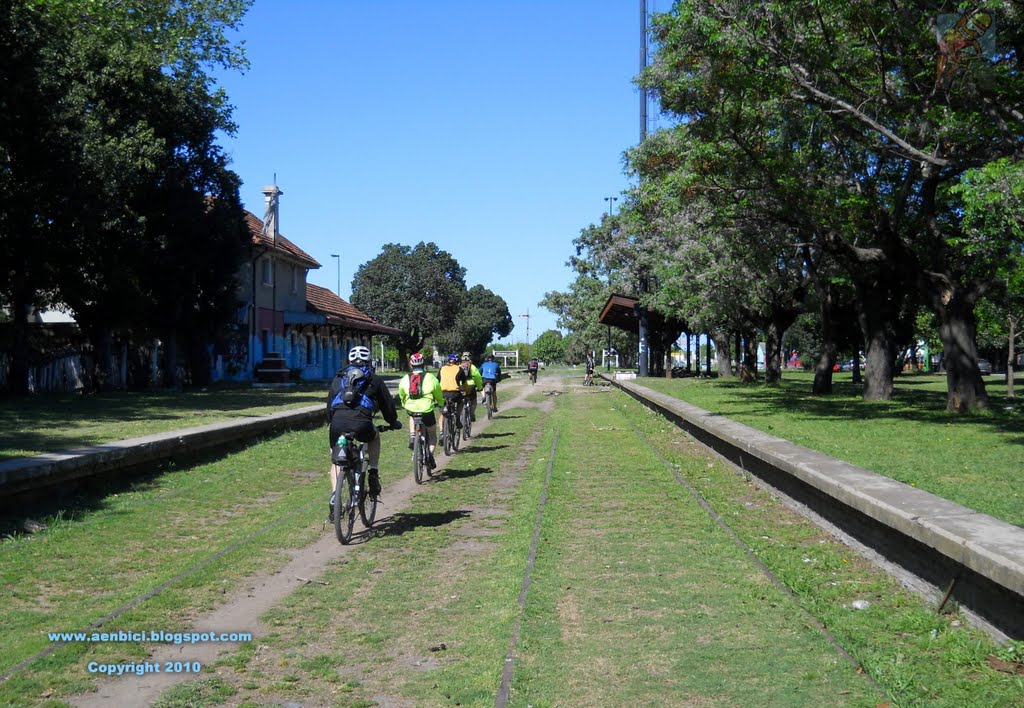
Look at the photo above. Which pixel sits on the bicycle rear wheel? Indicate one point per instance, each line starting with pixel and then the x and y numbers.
pixel 449 434
pixel 467 422
pixel 367 503
pixel 344 508
pixel 490 406
pixel 456 433
pixel 418 458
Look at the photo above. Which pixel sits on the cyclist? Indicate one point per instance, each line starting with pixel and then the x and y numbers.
pixel 453 386
pixel 589 378
pixel 421 399
pixel 474 383
pixel 371 395
pixel 532 368
pixel 490 372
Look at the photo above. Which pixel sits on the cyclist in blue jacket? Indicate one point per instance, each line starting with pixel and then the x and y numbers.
pixel 490 372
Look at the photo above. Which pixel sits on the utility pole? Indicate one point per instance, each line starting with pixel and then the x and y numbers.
pixel 338 257
pixel 527 316
pixel 642 311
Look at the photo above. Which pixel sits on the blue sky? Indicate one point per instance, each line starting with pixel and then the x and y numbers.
pixel 493 128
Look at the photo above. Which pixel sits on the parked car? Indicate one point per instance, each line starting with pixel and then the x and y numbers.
pixel 985 367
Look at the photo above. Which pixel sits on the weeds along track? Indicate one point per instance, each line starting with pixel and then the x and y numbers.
pixel 747 550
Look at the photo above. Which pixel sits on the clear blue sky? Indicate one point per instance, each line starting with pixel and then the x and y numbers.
pixel 494 128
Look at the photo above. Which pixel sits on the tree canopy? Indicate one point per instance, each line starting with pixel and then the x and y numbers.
pixel 421 290
pixel 119 205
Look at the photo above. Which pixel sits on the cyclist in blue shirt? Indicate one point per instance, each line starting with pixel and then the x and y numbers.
pixel 490 372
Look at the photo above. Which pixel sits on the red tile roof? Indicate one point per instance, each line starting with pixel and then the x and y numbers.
pixel 340 312
pixel 284 246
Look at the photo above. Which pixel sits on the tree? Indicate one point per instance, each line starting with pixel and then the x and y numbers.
pixel 482 316
pixel 549 346
pixel 419 290
pixel 107 97
pixel 848 92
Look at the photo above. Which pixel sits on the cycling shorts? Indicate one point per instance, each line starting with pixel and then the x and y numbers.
pixel 351 422
pixel 429 421
pixel 492 382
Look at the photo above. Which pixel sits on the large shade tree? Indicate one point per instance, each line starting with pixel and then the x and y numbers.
pixel 110 120
pixel 853 88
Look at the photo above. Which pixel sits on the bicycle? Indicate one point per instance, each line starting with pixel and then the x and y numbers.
pixel 422 460
pixel 588 380
pixel 451 433
pixel 489 399
pixel 467 419
pixel 533 376
pixel 350 488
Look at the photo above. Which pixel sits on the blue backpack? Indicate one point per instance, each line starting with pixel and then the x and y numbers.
pixel 352 394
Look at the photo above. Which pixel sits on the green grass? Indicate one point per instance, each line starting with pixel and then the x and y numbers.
pixel 49 423
pixel 919 658
pixel 637 596
pixel 975 460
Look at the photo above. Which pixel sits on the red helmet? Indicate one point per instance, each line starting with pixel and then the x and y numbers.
pixel 416 360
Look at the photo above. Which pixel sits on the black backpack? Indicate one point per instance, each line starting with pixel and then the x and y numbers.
pixel 352 393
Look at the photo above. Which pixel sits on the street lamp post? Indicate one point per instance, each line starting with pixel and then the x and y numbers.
pixel 527 316
pixel 611 203
pixel 338 257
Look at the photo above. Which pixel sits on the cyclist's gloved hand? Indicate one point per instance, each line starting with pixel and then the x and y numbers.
pixel 397 425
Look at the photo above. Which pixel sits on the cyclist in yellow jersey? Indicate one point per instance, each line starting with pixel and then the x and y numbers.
pixel 419 393
pixel 474 383
pixel 453 387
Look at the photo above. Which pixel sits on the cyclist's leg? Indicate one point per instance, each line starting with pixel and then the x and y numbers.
pixel 458 411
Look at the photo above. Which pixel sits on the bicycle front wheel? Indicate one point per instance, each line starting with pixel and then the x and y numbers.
pixel 467 422
pixel 367 503
pixel 344 508
pixel 449 434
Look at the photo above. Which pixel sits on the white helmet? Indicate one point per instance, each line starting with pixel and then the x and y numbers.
pixel 359 355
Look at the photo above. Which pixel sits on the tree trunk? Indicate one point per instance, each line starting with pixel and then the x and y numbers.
pixel 171 377
pixel 823 369
pixel 773 354
pixel 857 377
pixel 1011 356
pixel 879 340
pixel 105 359
pixel 965 388
pixel 20 353
pixel 722 359
pixel 748 367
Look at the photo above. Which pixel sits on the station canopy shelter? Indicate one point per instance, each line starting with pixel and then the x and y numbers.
pixel 623 312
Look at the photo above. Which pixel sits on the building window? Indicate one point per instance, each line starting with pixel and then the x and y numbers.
pixel 295 279
pixel 309 350
pixel 268 271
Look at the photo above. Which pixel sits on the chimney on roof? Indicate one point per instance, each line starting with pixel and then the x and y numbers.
pixel 271 197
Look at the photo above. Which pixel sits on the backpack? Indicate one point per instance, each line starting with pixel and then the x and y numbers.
pixel 352 393
pixel 416 384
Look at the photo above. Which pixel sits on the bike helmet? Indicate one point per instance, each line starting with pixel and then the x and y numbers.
pixel 453 358
pixel 489 357
pixel 416 360
pixel 466 356
pixel 359 355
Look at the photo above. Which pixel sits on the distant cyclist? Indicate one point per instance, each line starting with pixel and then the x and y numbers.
pixel 453 387
pixel 474 383
pixel 368 394
pixel 589 378
pixel 490 372
pixel 420 392
pixel 531 368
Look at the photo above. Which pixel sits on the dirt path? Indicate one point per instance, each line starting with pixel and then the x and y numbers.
pixel 260 593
